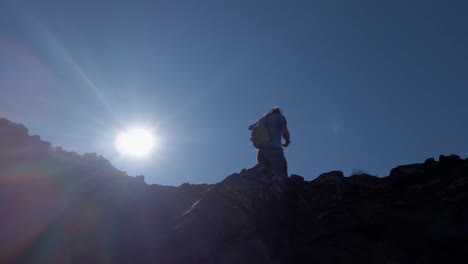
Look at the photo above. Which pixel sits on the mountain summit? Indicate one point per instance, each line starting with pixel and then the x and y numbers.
pixel 61 207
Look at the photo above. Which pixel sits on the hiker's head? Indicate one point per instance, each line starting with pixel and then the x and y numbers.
pixel 274 110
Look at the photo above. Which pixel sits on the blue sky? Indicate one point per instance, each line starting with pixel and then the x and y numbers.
pixel 363 84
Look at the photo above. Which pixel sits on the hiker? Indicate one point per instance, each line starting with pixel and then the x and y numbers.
pixel 266 137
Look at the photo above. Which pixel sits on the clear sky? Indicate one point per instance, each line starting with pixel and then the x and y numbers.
pixel 363 84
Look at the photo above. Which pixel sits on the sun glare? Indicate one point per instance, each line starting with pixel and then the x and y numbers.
pixel 136 142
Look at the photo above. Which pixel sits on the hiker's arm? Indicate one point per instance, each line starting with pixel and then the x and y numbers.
pixel 285 130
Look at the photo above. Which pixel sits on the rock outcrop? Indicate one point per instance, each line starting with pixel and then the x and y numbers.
pixel 61 207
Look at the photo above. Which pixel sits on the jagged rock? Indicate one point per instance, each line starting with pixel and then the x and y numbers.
pixel 405 174
pixel 407 170
pixel 242 209
pixel 452 160
pixel 362 184
pixel 90 156
pixel 140 178
pixel 430 165
pixel 8 128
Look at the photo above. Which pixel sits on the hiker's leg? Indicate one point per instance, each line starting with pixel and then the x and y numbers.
pixel 262 158
pixel 278 162
pixel 274 160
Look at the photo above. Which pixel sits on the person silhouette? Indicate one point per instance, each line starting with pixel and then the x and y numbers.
pixel 271 154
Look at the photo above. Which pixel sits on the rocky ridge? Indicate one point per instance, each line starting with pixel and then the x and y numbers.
pixel 61 207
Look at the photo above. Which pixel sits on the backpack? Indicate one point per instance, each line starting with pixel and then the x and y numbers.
pixel 260 136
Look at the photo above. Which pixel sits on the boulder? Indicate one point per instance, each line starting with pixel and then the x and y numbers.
pixel 297 178
pixel 329 178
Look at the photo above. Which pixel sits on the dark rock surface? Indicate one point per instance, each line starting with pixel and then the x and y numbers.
pixel 61 207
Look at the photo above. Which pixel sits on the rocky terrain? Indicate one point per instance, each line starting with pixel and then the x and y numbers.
pixel 61 207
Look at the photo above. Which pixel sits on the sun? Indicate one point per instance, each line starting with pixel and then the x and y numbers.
pixel 137 142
